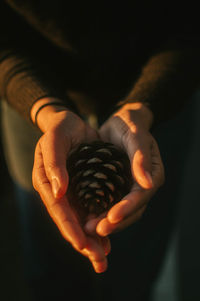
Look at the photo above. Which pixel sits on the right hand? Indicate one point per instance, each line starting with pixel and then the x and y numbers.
pixel 62 131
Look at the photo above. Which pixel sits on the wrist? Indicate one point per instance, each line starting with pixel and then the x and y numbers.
pixel 44 110
pixel 138 112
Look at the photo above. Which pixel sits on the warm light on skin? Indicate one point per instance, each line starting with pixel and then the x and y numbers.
pixel 141 175
pixel 59 126
pixel 132 122
pixel 134 118
pixel 137 111
pixel 46 114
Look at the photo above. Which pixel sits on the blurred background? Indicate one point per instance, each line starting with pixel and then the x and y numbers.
pixel 178 278
pixel 12 284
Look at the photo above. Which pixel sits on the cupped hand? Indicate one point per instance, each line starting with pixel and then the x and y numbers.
pixel 63 130
pixel 129 128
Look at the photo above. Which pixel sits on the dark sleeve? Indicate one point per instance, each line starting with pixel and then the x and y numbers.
pixel 29 64
pixel 171 74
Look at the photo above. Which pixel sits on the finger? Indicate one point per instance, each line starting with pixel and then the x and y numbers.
pixel 67 222
pixel 141 169
pixel 38 174
pixel 59 210
pixel 138 146
pixel 105 241
pixel 131 219
pixel 90 226
pixel 90 229
pixel 95 254
pixel 55 148
pixel 105 228
pixel 138 197
pixel 129 204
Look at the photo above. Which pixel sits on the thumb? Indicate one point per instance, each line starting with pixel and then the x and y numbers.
pixel 55 149
pixel 141 168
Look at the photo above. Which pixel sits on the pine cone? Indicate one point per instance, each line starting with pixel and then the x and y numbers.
pixel 99 176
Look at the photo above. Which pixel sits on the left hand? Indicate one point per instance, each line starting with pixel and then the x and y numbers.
pixel 129 128
pixel 62 131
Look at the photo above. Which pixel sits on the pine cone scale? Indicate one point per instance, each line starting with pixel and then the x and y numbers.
pixel 99 176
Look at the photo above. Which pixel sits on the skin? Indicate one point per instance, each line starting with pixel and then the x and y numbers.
pixel 129 129
pixel 62 131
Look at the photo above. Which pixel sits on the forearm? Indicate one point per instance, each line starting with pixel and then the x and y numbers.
pixel 43 111
pixel 31 68
pixel 138 113
pixel 166 82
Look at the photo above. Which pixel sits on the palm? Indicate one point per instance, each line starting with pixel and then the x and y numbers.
pixel 144 156
pixel 50 179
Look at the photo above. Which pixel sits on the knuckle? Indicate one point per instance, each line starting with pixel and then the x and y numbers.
pixel 41 183
pixel 38 183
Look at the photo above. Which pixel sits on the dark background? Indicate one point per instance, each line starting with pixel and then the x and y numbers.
pixel 12 284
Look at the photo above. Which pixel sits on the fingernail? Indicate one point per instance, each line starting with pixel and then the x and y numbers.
pixel 55 187
pixel 102 231
pixel 149 178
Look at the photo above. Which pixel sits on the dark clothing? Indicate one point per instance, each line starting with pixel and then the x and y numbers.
pixel 136 51
pixel 139 51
